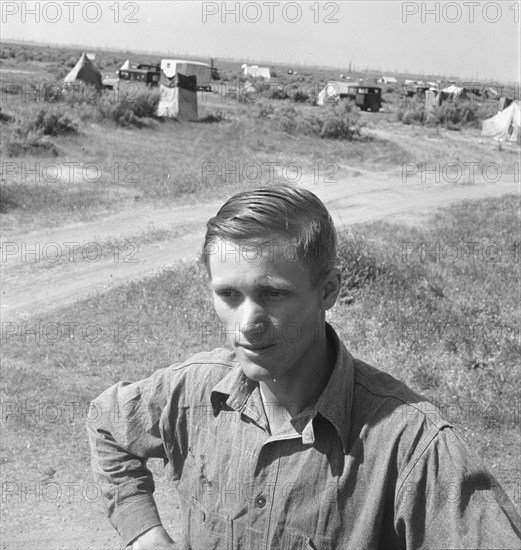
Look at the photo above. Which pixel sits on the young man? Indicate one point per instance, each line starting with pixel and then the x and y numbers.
pixel 286 441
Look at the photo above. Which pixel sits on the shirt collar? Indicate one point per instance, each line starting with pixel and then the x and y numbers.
pixel 334 404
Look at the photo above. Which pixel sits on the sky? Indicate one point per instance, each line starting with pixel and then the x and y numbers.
pixel 471 40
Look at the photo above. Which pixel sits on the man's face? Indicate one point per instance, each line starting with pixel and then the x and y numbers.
pixel 268 306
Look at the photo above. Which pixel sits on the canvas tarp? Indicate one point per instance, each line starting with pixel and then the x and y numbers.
pixel 255 71
pixel 333 90
pixel 178 97
pixel 387 80
pixel 505 125
pixel 84 71
pixel 201 71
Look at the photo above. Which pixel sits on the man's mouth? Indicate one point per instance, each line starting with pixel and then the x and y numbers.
pixel 255 347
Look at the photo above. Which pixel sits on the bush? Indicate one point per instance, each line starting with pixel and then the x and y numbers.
pixel 23 140
pixel 145 104
pixel 264 108
pixel 413 112
pixel 340 121
pixel 454 115
pixel 52 123
pixel 127 112
pixel 4 117
pixel 457 114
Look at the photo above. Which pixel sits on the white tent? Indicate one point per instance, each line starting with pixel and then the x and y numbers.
pixel 125 66
pixel 84 71
pixel 255 71
pixel 178 97
pixel 333 90
pixel 387 80
pixel 201 71
pixel 452 89
pixel 505 125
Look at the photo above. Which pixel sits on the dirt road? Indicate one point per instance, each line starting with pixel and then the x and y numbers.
pixel 39 281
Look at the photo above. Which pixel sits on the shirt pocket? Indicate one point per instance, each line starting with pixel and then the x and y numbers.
pixel 208 530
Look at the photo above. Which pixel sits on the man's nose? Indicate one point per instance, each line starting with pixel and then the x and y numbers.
pixel 254 320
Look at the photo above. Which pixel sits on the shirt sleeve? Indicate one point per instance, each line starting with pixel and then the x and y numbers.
pixel 449 500
pixel 124 431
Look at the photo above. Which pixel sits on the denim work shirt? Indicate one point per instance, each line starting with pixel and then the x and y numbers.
pixel 371 465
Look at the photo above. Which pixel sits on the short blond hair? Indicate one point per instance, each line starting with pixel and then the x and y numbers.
pixel 297 215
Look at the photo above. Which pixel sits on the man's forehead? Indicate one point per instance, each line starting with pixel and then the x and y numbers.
pixel 271 247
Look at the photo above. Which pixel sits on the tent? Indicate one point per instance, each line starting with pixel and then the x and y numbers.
pixel 505 125
pixel 84 71
pixel 387 80
pixel 333 90
pixel 178 97
pixel 201 71
pixel 125 66
pixel 255 71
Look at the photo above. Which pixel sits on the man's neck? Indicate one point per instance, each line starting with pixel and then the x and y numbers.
pixel 294 395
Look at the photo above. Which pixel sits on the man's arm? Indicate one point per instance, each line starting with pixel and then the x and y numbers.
pixel 124 431
pixel 449 500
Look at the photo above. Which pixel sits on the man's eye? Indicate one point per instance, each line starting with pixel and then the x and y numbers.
pixel 276 293
pixel 226 293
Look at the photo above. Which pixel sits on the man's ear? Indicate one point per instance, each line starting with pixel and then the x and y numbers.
pixel 331 283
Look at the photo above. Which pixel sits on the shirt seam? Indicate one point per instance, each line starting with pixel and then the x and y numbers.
pixel 438 424
pixel 415 459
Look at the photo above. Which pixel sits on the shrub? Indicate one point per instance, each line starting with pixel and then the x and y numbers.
pixel 340 121
pixel 286 119
pixel 4 117
pixel 145 104
pixel 23 141
pixel 265 108
pixel 412 112
pixel 457 114
pixel 130 112
pixel 52 123
pixel 454 115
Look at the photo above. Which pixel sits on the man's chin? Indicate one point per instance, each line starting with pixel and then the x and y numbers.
pixel 254 371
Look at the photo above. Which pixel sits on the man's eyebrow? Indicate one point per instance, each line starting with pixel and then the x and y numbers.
pixel 276 282
pixel 265 283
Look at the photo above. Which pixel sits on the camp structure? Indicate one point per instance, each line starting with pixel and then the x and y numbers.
pixel 201 71
pixel 255 71
pixel 84 71
pixel 452 93
pixel 505 125
pixel 387 80
pixel 366 97
pixel 178 97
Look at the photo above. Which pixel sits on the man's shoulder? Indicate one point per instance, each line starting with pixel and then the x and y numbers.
pixel 380 395
pixel 214 364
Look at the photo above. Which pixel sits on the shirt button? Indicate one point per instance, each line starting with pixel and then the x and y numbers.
pixel 260 501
